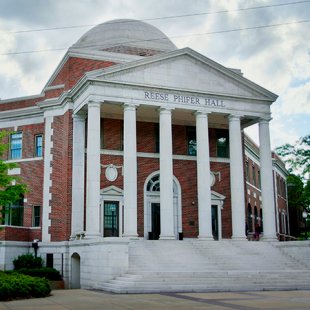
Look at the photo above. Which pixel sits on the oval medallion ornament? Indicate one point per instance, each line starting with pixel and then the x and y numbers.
pixel 111 173
pixel 212 179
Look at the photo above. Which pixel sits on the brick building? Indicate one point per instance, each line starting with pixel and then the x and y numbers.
pixel 134 138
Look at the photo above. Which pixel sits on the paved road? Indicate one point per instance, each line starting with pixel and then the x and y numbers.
pixel 93 300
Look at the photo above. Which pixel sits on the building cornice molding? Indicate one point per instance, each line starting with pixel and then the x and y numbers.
pixel 20 113
pixel 17 99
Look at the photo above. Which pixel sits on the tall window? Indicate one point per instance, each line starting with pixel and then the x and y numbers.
pixel 247 170
pixel 15 145
pixel 36 216
pixel 14 213
pixel 38 145
pixel 254 175
pixel 191 141
pixel 222 143
pixel 111 219
pixel 259 179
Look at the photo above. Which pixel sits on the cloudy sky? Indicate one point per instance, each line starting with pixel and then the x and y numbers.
pixel 35 34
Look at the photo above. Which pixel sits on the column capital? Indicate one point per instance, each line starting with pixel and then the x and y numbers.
pixel 265 120
pixel 165 110
pixel 234 117
pixel 130 106
pixel 201 113
pixel 92 103
pixel 81 116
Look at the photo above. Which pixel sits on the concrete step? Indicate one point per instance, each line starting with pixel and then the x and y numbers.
pixel 193 266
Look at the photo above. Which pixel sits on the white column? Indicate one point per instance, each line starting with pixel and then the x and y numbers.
pixel 93 171
pixel 78 166
pixel 266 184
pixel 166 176
pixel 130 172
pixel 236 179
pixel 203 177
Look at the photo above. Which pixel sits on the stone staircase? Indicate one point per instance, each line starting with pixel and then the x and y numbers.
pixel 200 266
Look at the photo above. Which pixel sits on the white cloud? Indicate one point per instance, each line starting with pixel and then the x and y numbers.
pixel 276 58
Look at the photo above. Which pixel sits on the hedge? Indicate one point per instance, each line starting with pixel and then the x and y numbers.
pixel 14 286
pixel 48 273
pixel 27 261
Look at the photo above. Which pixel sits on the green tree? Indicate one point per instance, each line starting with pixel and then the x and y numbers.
pixel 295 191
pixel 297 157
pixel 11 187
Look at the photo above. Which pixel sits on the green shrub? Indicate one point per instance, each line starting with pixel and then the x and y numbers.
pixel 49 273
pixel 27 261
pixel 16 285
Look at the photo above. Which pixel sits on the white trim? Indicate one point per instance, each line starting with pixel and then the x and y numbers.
pixel 47 183
pixel 251 157
pixel 102 55
pixel 57 110
pixel 248 183
pixel 111 193
pixel 156 155
pixel 154 197
pixel 218 200
pixel 21 113
pixel 197 56
pixel 14 171
pixel 23 160
pixel 24 98
pixel 54 87
pixel 22 122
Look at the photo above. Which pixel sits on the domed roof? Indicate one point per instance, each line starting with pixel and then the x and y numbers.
pixel 127 33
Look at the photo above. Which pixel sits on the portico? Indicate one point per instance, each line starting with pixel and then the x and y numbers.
pixel 130 102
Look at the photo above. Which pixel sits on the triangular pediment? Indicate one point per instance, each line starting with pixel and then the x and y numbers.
pixel 112 191
pixel 217 196
pixel 184 70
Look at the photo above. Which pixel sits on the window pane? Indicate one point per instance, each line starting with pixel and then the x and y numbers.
pixel 16 145
pixel 14 214
pixel 191 141
pixel 36 216
pixel 38 146
pixel 222 143
pixel 111 219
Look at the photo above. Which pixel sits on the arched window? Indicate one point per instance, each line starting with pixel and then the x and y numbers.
pixel 250 218
pixel 255 215
pixel 154 184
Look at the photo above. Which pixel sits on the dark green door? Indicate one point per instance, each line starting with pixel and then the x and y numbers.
pixel 155 221
pixel 111 219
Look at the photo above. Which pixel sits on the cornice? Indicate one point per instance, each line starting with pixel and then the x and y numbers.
pixel 3 101
pixel 20 113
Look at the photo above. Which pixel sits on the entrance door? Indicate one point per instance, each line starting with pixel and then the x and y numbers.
pixel 215 223
pixel 155 221
pixel 111 219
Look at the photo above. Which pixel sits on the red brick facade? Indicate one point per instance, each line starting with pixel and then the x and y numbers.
pixel 184 169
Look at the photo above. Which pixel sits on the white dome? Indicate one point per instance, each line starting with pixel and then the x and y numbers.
pixel 125 33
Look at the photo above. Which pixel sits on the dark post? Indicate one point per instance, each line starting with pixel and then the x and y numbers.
pixel 35 245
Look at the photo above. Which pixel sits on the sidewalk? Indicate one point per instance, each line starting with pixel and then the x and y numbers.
pixel 93 300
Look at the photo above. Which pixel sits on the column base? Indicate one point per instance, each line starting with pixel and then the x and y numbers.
pixel 205 238
pixel 131 237
pixel 239 238
pixel 269 238
pixel 89 236
pixel 167 238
